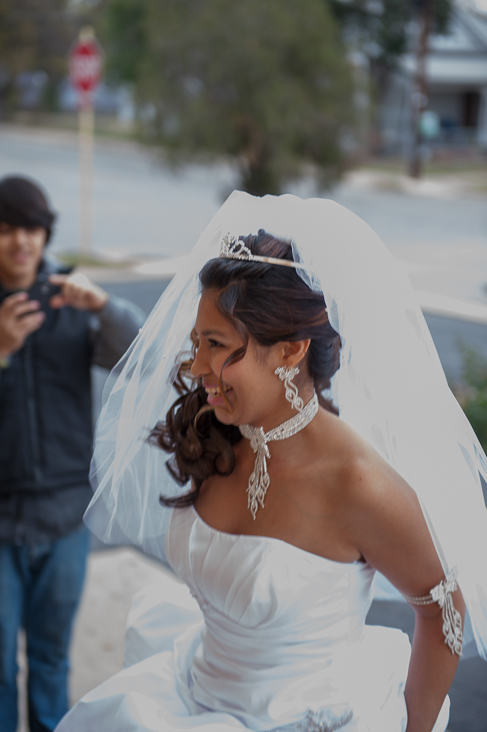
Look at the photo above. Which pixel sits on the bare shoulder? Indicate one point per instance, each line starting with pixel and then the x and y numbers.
pixel 384 517
pixel 370 483
pixel 378 499
pixel 363 475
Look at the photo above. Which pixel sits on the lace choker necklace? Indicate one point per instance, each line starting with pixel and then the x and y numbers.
pixel 259 480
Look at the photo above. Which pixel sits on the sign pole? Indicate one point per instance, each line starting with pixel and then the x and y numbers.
pixel 85 70
pixel 85 137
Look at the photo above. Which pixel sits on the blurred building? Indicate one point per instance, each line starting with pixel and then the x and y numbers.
pixel 108 100
pixel 456 69
pixel 113 101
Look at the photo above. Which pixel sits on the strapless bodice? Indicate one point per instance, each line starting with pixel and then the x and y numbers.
pixel 264 585
pixel 279 621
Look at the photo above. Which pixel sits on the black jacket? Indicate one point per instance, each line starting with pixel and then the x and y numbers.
pixel 46 418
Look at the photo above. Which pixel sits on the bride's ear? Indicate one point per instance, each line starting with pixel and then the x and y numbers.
pixel 294 351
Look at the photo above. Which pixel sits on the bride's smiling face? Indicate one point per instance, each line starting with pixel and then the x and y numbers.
pixel 253 393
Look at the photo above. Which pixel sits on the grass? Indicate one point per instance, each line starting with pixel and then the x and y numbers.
pixel 106 125
pixel 469 173
pixel 447 166
pixel 472 393
pixel 77 259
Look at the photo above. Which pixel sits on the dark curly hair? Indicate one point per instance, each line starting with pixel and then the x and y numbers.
pixel 265 302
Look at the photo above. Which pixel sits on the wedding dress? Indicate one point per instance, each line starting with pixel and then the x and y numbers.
pixel 273 638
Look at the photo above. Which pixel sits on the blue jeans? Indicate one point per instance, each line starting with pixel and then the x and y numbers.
pixel 40 589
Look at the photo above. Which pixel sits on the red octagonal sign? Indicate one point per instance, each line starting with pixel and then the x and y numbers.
pixel 86 65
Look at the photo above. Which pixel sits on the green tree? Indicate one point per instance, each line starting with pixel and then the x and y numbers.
pixel 263 81
pixel 383 30
pixel 378 29
pixel 34 35
pixel 472 394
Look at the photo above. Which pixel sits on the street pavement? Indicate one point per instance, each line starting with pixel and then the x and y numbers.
pixel 141 206
pixel 147 212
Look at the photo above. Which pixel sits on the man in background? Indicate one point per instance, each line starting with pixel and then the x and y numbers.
pixel 53 327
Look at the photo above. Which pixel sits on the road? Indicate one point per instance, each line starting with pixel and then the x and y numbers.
pixel 143 207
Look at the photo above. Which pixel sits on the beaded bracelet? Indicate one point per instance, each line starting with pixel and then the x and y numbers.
pixel 452 620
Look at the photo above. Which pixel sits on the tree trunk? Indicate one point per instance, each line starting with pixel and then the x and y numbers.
pixel 256 172
pixel 419 100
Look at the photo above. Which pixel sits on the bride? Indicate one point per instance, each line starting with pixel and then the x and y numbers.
pixel 313 442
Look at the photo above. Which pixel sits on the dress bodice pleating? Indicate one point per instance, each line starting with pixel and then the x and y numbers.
pixel 284 628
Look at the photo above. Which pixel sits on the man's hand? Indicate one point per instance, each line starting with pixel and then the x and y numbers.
pixel 78 292
pixel 19 317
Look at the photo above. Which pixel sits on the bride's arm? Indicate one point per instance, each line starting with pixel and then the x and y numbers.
pixel 392 535
pixel 432 666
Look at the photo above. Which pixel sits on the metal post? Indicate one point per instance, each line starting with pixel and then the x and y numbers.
pixel 85 72
pixel 419 99
pixel 86 130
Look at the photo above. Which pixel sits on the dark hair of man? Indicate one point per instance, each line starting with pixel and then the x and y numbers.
pixel 266 302
pixel 23 204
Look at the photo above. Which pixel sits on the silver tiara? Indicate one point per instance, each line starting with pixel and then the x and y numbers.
pixel 234 248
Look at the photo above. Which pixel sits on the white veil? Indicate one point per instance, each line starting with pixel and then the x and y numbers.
pixel 390 387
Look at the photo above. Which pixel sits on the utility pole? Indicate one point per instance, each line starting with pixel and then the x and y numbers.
pixel 86 68
pixel 419 98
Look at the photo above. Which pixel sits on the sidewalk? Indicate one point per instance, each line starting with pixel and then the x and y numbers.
pixel 113 577
pixel 431 302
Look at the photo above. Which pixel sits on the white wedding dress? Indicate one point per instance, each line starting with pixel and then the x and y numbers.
pixel 273 638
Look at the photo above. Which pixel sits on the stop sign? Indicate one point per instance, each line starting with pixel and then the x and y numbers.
pixel 86 65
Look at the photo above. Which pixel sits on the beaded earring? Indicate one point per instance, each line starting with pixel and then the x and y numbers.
pixel 287 374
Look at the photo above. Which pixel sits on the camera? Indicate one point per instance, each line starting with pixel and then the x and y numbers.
pixel 42 290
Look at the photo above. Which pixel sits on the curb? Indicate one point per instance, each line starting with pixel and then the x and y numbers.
pixel 163 269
